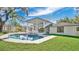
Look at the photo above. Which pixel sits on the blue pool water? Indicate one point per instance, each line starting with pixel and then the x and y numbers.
pixel 25 37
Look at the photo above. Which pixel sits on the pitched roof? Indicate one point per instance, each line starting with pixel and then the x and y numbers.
pixel 62 24
pixel 65 24
pixel 37 18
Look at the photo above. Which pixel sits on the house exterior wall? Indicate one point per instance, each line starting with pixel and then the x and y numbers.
pixel 77 32
pixel 37 24
pixel 53 30
pixel 8 28
pixel 68 30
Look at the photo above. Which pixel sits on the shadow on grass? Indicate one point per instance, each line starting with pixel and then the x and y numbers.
pixel 3 32
pixel 64 35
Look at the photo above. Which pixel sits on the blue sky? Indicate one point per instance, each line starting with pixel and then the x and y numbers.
pixel 49 13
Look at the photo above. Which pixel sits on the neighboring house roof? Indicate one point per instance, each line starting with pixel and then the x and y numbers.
pixel 37 19
pixel 62 24
pixel 65 24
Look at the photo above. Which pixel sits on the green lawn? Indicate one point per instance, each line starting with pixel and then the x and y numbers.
pixel 1 33
pixel 60 43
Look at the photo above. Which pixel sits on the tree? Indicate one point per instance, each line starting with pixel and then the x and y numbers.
pixel 1 24
pixel 76 19
pixel 19 28
pixel 9 12
pixel 41 30
pixel 66 19
pixel 70 20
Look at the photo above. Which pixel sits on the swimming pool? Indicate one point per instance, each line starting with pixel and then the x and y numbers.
pixel 25 38
pixel 30 37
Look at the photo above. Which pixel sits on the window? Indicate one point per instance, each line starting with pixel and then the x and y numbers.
pixel 77 28
pixel 60 29
pixel 40 24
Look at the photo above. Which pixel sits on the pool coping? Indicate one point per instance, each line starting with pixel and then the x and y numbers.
pixel 3 37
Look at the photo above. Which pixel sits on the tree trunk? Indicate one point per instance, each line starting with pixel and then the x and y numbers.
pixel 1 26
pixel 6 18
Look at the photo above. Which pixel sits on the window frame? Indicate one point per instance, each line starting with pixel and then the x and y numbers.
pixel 77 28
pixel 60 29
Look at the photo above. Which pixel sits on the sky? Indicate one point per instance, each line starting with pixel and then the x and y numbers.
pixel 50 13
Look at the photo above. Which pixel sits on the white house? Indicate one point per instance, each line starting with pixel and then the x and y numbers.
pixel 8 28
pixel 37 24
pixel 11 28
pixel 63 28
pixel 32 25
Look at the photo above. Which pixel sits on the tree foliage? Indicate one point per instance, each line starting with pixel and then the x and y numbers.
pixel 69 20
pixel 9 12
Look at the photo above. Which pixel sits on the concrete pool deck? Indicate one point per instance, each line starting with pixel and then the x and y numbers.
pixel 6 35
pixel 4 38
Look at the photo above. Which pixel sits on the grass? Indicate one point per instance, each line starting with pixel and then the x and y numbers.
pixel 60 43
pixel 1 33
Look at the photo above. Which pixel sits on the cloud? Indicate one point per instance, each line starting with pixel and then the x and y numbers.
pixel 44 11
pixel 17 10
